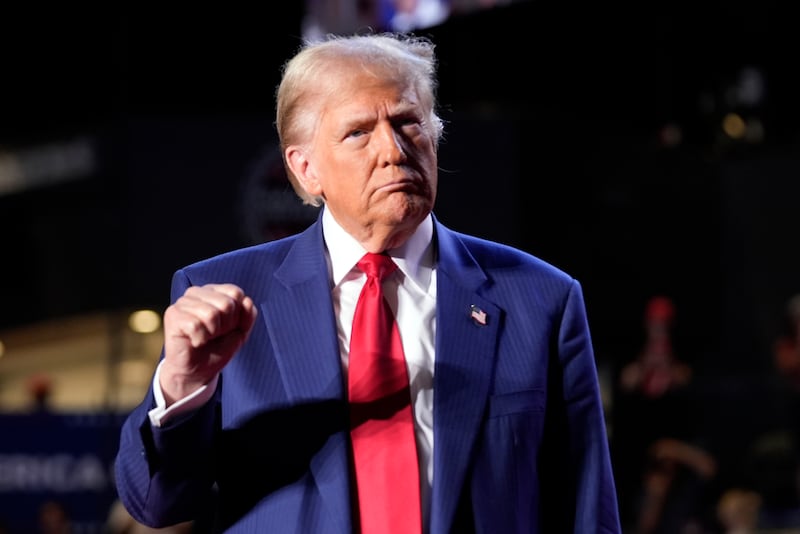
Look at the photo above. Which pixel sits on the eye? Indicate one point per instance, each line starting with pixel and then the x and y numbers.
pixel 408 126
pixel 404 122
pixel 356 133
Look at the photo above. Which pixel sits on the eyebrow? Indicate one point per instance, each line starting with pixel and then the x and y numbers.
pixel 403 108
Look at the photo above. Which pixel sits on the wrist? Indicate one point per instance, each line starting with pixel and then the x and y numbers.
pixel 176 385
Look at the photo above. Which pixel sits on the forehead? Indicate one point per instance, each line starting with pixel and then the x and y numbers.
pixel 348 82
pixel 349 91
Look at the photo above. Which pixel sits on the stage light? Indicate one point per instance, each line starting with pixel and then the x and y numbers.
pixel 734 126
pixel 144 321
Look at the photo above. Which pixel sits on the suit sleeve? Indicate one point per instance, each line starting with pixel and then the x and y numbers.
pixel 165 475
pixel 578 426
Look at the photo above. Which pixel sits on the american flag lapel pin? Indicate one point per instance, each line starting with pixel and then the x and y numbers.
pixel 478 315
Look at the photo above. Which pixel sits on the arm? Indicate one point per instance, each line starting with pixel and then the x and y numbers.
pixel 576 431
pixel 164 474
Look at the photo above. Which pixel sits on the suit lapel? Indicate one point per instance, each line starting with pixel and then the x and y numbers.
pixel 300 297
pixel 465 350
pixel 299 302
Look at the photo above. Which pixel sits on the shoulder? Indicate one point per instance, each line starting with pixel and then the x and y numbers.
pixel 241 266
pixel 503 259
pixel 272 250
pixel 256 268
pixel 527 287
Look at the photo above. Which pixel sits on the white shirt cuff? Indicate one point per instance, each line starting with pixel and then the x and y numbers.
pixel 161 414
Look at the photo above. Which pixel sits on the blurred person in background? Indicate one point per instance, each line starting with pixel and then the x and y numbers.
pixel 658 448
pixel 738 510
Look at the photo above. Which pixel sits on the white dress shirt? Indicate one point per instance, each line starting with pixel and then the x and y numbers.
pixel 411 292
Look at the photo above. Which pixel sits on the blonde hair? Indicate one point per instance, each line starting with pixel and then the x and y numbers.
pixel 307 80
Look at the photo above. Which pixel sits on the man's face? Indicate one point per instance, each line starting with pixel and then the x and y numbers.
pixel 373 157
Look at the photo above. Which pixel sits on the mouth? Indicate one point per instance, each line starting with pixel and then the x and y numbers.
pixel 406 184
pixel 400 185
pixel 406 188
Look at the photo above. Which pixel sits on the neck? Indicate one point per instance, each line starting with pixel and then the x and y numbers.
pixel 381 241
pixel 377 238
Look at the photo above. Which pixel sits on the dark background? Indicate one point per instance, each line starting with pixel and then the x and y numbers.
pixel 552 144
pixel 554 120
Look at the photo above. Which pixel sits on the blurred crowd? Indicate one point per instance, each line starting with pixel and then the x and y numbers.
pixel 671 476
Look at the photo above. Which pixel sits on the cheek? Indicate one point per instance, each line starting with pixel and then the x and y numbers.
pixel 431 166
pixel 344 191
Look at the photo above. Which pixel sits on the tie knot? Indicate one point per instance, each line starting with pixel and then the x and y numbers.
pixel 377 265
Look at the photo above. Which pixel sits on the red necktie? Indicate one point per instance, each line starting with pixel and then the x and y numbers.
pixel 381 424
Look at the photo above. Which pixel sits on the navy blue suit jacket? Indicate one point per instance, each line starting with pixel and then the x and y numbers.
pixel 519 431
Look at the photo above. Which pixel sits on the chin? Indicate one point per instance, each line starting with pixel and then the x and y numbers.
pixel 411 209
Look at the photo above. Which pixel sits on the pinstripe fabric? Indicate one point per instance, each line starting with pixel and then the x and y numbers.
pixel 519 437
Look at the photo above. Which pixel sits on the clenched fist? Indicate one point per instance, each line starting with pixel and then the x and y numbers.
pixel 203 329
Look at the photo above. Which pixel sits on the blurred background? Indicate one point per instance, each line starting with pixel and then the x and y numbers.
pixel 651 150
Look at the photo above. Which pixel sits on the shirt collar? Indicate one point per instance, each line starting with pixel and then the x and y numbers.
pixel 414 258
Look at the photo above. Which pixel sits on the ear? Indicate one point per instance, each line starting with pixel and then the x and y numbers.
pixel 301 167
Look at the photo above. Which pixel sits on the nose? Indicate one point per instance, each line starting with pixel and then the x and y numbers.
pixel 391 145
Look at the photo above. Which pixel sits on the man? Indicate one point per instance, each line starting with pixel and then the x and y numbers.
pixel 249 413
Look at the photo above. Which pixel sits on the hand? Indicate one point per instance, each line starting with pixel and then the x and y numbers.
pixel 681 452
pixel 203 329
